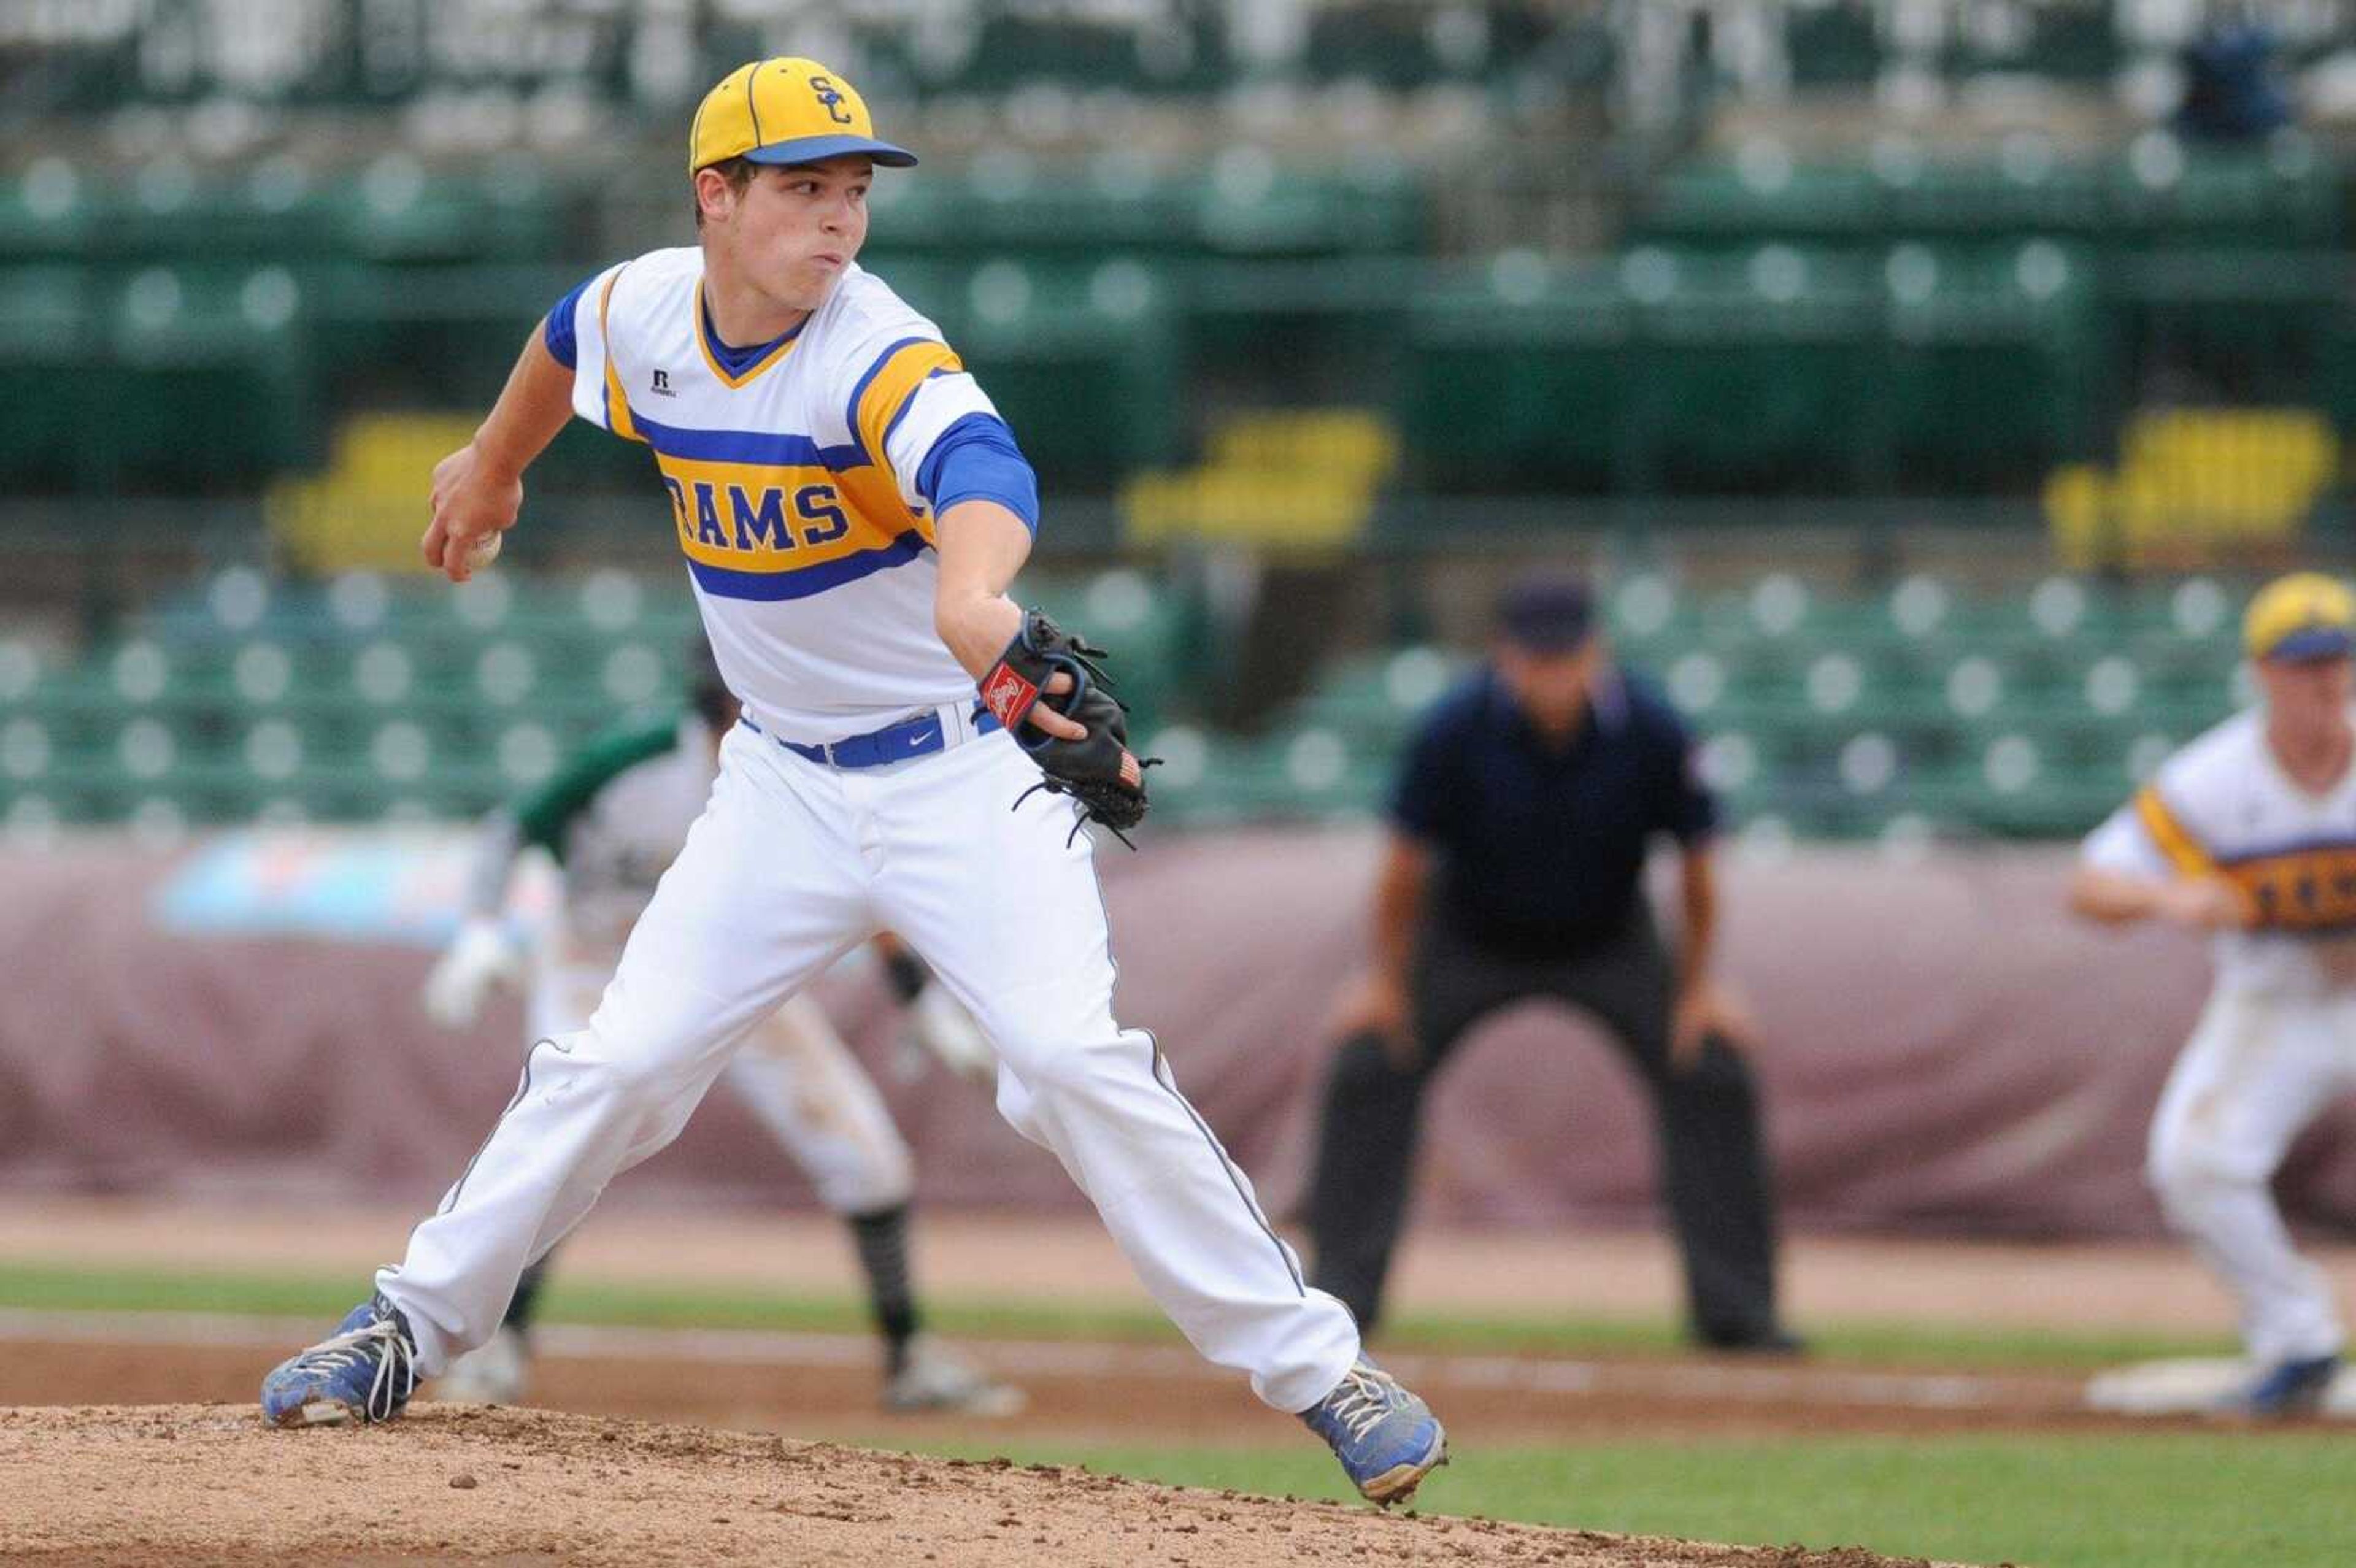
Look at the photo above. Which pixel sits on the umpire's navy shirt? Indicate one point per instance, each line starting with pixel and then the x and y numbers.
pixel 1540 849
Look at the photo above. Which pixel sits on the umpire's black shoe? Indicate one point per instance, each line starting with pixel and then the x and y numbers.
pixel 1765 1342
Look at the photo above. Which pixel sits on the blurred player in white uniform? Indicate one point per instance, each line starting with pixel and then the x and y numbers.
pixel 614 818
pixel 853 511
pixel 2250 832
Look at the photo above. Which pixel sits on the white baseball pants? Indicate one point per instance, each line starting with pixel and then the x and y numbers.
pixel 2257 1069
pixel 792 864
pixel 794 1073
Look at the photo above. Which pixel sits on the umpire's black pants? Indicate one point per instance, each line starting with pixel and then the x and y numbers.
pixel 1713 1167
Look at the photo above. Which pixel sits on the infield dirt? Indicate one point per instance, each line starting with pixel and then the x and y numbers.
pixel 606 1478
pixel 183 1484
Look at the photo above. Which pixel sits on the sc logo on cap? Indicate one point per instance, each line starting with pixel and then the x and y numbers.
pixel 829 98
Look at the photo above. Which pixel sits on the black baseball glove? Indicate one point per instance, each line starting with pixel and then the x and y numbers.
pixel 1100 773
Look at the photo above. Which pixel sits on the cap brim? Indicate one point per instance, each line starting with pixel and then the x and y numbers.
pixel 811 149
pixel 2313 643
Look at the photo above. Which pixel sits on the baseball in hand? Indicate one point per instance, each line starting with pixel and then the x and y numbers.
pixel 483 552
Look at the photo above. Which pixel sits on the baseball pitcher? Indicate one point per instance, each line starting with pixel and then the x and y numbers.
pixel 917 753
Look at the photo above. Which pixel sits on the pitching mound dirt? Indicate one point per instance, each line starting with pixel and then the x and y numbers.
pixel 187 1483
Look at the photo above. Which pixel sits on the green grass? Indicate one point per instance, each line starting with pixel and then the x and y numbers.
pixel 2159 1499
pixel 2168 1499
pixel 65 1288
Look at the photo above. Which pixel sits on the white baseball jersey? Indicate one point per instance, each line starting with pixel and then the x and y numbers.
pixel 793 485
pixel 2221 806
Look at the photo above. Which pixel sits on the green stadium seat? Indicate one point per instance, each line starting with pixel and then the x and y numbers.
pixel 2073 43
pixel 1917 708
pixel 1767 200
pixel 1984 202
pixel 1377 211
pixel 46 312
pixel 206 391
pixel 48 213
pixel 1831 45
pixel 26 749
pixel 1501 394
pixel 49 326
pixel 1991 367
pixel 1080 361
pixel 2164 192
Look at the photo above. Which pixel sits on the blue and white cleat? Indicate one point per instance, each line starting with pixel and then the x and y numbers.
pixel 364 1371
pixel 2286 1389
pixel 1386 1438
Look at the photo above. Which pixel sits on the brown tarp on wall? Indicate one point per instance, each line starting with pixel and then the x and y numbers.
pixel 1943 1050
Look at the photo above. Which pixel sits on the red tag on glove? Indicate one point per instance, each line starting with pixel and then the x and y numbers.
pixel 1008 695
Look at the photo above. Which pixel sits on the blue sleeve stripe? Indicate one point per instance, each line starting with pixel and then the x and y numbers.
pixel 976 460
pixel 1018 495
pixel 563 347
pixel 1021 502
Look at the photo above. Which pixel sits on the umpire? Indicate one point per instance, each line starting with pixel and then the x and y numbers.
pixel 1519 829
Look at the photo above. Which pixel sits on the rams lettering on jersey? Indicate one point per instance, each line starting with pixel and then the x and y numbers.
pixel 2306 886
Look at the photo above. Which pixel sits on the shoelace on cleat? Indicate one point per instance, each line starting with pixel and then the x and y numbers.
pixel 1364 1398
pixel 395 1360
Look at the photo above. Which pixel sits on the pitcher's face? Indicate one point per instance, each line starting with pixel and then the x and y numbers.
pixel 794 229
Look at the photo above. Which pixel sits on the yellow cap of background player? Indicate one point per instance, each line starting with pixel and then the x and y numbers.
pixel 786 111
pixel 2305 615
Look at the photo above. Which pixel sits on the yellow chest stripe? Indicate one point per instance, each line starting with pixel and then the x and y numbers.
pixel 2183 852
pixel 617 403
pixel 890 386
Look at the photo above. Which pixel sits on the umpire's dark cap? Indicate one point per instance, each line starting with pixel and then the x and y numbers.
pixel 1546 612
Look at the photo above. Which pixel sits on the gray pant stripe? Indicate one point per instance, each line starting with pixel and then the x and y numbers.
pixel 523 1087
pixel 1234 1179
pixel 1169 1085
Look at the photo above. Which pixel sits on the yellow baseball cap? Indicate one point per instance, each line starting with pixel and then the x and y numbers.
pixel 2305 615
pixel 786 111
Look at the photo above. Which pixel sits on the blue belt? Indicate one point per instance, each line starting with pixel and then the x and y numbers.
pixel 918 736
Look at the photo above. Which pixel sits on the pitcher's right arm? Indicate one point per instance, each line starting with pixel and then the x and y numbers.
pixel 479 489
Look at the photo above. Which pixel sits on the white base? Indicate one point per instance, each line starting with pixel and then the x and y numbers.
pixel 2193 1387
